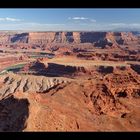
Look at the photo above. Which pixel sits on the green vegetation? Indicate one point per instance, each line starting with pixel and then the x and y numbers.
pixel 42 55
pixel 13 68
pixel 37 56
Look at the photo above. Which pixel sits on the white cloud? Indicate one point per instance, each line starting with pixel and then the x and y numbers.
pixel 42 24
pixel 135 24
pixel 9 19
pixel 82 19
pixel 117 24
pixel 32 26
pixel 124 25
pixel 79 18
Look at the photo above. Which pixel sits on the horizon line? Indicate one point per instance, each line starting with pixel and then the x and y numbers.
pixel 69 31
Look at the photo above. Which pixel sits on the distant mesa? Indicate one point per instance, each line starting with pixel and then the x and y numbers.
pixel 99 38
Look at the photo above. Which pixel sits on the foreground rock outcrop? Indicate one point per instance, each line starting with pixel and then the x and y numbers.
pixel 11 83
pixel 110 103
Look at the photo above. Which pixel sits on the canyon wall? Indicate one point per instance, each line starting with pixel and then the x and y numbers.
pixel 67 37
pixel 80 37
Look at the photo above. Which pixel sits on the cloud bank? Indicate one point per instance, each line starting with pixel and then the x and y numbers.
pixel 77 23
pixel 9 19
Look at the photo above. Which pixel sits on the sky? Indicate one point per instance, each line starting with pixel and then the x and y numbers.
pixel 93 19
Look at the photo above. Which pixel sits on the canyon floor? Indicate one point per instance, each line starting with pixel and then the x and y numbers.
pixel 70 88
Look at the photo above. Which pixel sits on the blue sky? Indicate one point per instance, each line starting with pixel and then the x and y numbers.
pixel 69 19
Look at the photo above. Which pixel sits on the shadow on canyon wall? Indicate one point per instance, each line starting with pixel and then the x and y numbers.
pixel 13 114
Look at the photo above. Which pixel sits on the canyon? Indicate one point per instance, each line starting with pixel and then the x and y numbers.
pixel 67 37
pixel 69 81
